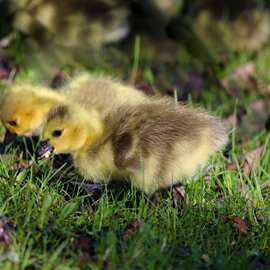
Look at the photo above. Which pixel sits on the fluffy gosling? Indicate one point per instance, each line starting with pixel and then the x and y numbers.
pixel 155 145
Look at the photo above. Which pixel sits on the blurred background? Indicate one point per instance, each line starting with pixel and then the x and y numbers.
pixel 214 52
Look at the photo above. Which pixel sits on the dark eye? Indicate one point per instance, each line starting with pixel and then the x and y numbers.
pixel 12 123
pixel 57 133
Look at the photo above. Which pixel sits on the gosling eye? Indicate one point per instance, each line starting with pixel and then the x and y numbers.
pixel 57 133
pixel 13 123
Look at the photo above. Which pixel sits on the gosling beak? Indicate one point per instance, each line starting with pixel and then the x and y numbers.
pixel 44 150
pixel 9 137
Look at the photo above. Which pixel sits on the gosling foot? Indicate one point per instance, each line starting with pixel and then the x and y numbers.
pixel 178 195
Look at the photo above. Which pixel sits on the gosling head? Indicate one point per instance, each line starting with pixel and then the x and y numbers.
pixel 70 129
pixel 23 109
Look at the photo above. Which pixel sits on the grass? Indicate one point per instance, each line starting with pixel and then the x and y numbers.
pixel 53 220
pixel 60 226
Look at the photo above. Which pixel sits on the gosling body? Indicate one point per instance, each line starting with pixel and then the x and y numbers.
pixel 155 144
pixel 103 93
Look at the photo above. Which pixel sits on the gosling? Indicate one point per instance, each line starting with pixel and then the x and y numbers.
pixel 155 144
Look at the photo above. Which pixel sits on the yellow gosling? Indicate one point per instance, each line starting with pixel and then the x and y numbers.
pixel 156 144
